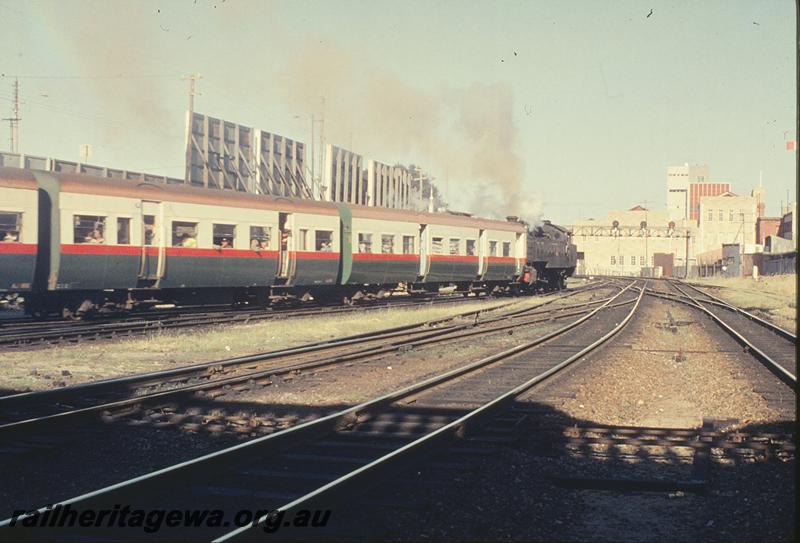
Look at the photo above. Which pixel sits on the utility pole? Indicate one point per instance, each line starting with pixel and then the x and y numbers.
pixel 193 78
pixel 322 188
pixel 14 120
pixel 313 159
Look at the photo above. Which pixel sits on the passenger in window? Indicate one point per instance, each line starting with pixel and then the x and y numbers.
pixel 149 234
pixel 256 245
pixel 95 237
pixel 224 244
pixel 188 241
pixel 10 236
pixel 326 247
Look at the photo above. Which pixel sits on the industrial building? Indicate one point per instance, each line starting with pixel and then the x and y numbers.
pixel 703 225
pixel 634 242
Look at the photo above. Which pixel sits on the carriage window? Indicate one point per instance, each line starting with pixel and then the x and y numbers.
pixel 437 246
pixel 492 248
pixel 10 224
pixel 184 234
pixel 224 235
pixel 365 243
pixel 89 229
pixel 259 237
pixel 506 248
pixel 471 247
pixel 324 241
pixel 302 242
pixel 387 244
pixel 149 229
pixel 455 246
pixel 123 231
pixel 408 245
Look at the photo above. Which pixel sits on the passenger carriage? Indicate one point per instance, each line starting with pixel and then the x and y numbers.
pixel 81 243
pixel 18 231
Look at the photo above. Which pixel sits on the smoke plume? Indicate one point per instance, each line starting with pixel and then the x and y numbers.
pixel 466 137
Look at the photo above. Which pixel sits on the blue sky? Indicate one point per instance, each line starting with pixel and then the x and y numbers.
pixel 565 109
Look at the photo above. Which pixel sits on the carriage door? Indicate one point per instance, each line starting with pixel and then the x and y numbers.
pixel 286 248
pixel 482 254
pixel 153 261
pixel 423 250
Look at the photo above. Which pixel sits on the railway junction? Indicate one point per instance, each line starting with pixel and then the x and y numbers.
pixel 615 409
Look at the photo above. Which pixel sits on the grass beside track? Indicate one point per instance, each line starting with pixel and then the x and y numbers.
pixel 772 296
pixel 65 365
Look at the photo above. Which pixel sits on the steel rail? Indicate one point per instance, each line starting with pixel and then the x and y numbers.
pixel 782 373
pixel 720 302
pixel 456 427
pixel 86 331
pixel 423 335
pixel 328 422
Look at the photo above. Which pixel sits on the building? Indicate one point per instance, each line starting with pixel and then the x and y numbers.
pixel 727 219
pixel 765 227
pixel 686 186
pixel 343 178
pixel 679 179
pixel 627 242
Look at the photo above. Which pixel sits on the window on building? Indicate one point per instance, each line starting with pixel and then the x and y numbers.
pixel 365 243
pixel 471 247
pixel 641 260
pixel 621 260
pixel 710 215
pixel 408 245
pixel 730 216
pixel 437 246
pixel 224 235
pixel 633 260
pixel 89 229
pixel 323 241
pixel 302 242
pixel 184 234
pixel 387 244
pixel 506 248
pixel 260 237
pixel 613 260
pixel 10 226
pixel 721 215
pixel 455 246
pixel 492 248
pixel 123 231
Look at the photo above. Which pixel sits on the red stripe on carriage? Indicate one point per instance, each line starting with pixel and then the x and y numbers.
pixel 230 253
pixel 508 259
pixel 385 256
pixel 454 258
pixel 99 249
pixel 17 248
pixel 136 250
pixel 314 255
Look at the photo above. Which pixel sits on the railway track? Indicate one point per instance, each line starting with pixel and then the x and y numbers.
pixel 771 344
pixel 23 413
pixel 32 334
pixel 315 463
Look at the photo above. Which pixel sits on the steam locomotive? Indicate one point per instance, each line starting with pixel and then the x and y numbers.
pixel 74 245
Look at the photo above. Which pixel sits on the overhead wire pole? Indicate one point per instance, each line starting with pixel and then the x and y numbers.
pixel 14 120
pixel 193 78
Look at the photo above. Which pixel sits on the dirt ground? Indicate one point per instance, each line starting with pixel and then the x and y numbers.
pixel 515 494
pixel 773 297
pixel 65 365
